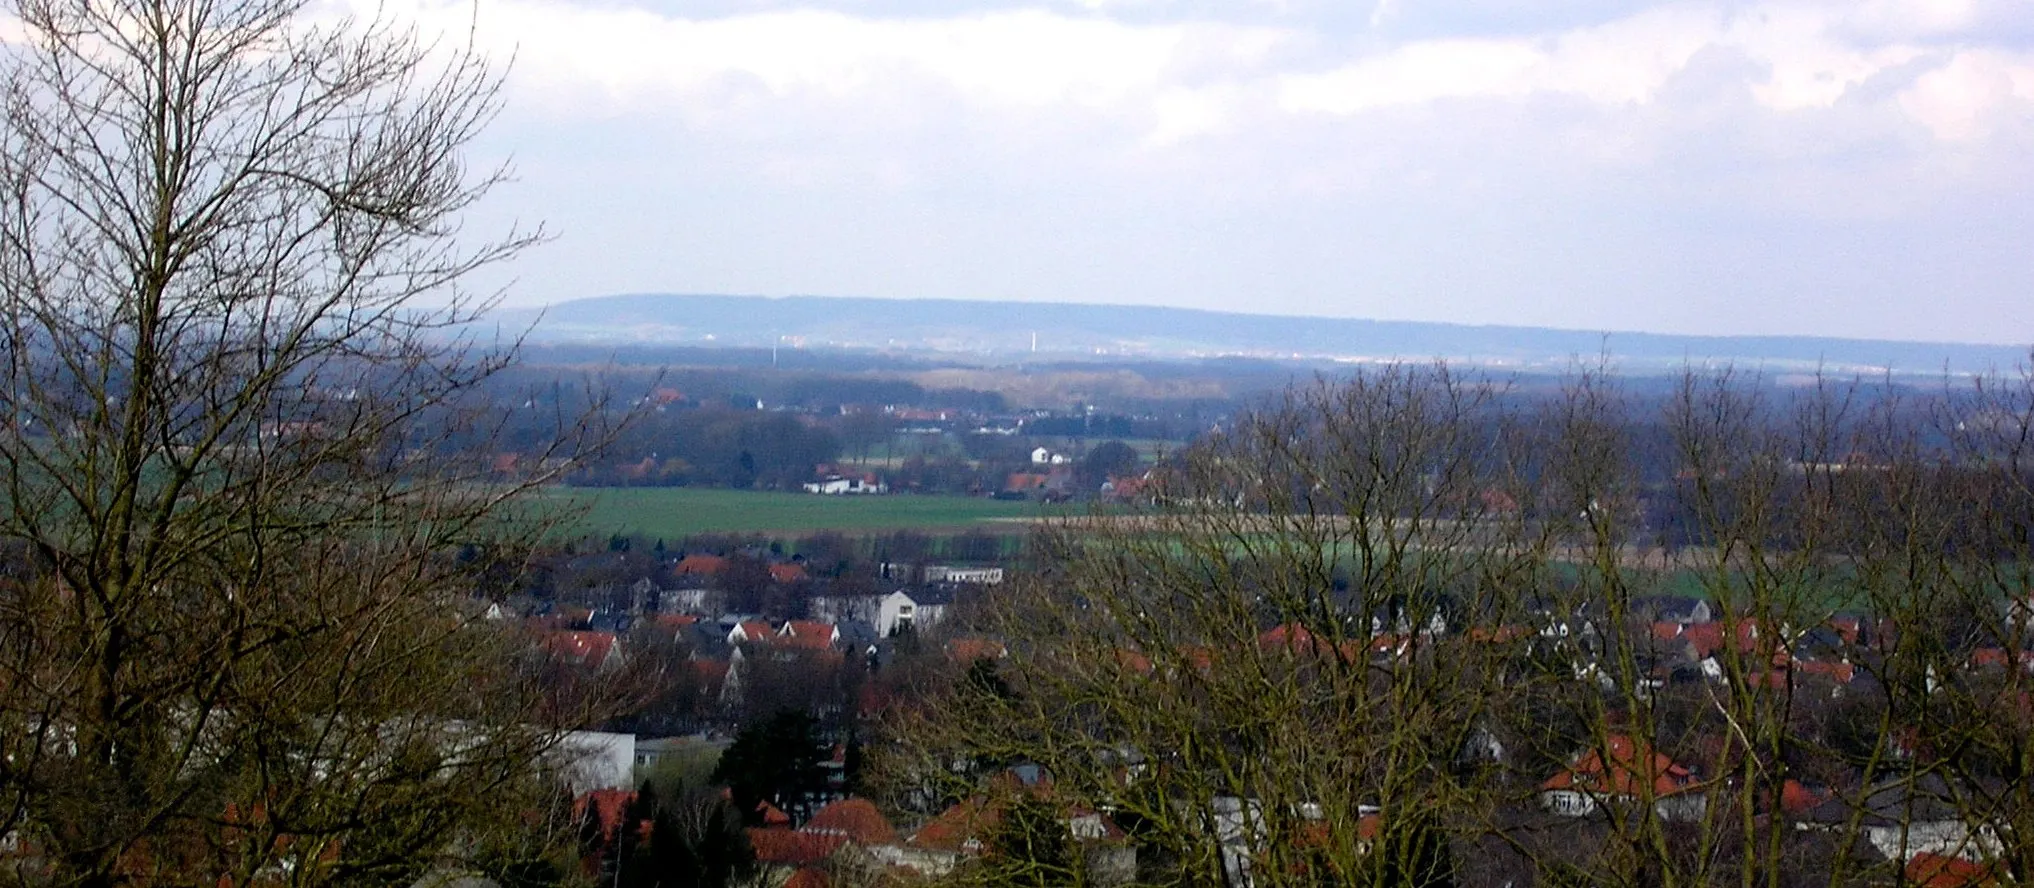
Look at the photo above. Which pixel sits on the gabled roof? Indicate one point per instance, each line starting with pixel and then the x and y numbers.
pixel 1707 639
pixel 584 648
pixel 856 819
pixel 787 573
pixel 1893 802
pixel 700 565
pixel 807 633
pixel 751 630
pixel 953 829
pixel 1629 769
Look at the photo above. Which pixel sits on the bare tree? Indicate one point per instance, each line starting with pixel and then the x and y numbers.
pixel 232 394
pixel 1251 680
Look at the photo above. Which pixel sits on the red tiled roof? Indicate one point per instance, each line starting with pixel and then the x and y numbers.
pixel 1025 481
pixel 711 673
pixel 1930 870
pixel 968 650
pixel 856 819
pixel 808 628
pixel 1797 798
pixel 582 648
pixel 811 634
pixel 784 847
pixel 772 817
pixel 1500 634
pixel 1709 638
pixel 1999 658
pixel 1842 673
pixel 787 573
pixel 1631 767
pixel 700 565
pixel 1290 636
pixel 952 829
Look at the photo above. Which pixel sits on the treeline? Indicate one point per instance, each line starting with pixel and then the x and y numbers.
pixel 714 446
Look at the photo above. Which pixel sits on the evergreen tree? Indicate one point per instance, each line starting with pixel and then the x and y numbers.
pixel 777 761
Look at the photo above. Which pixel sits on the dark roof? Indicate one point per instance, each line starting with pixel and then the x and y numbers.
pixel 929 595
pixel 1893 802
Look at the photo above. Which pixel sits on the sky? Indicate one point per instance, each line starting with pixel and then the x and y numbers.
pixel 1856 168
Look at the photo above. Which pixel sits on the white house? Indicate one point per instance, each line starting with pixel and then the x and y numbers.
pixel 835 485
pixel 1906 817
pixel 1045 457
pixel 919 610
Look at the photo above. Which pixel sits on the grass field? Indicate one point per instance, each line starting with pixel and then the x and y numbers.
pixel 682 511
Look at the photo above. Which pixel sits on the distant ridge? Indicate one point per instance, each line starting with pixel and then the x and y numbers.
pixel 1004 330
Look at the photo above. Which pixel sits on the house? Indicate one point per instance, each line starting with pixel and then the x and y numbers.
pixel 642 594
pixel 748 631
pixel 1905 817
pixel 586 649
pixel 591 760
pixel 856 820
pixel 1678 609
pixel 920 610
pixel 788 849
pixel 808 634
pixel 675 629
pixel 1624 771
pixel 787 573
pixel 693 567
pixel 1043 456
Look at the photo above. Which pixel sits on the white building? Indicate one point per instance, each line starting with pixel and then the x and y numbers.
pixel 982 576
pixel 593 760
pixel 899 608
pixel 835 485
pixel 1045 457
pixel 846 608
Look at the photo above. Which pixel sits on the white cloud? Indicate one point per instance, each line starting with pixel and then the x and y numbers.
pixel 1073 153
pixel 1960 100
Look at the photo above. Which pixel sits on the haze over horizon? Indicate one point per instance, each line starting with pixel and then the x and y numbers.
pixel 1778 167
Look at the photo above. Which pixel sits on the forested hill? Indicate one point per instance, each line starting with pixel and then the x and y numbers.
pixel 1007 329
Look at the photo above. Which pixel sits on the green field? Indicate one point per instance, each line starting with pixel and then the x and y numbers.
pixel 672 512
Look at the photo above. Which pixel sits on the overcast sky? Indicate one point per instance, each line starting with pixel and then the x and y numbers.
pixel 1848 168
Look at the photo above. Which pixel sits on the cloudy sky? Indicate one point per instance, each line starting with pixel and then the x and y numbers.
pixel 1838 167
